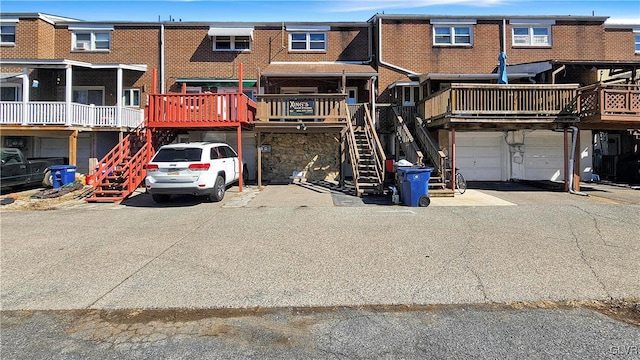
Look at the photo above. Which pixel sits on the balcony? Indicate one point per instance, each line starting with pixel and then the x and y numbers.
pixel 488 105
pixel 52 113
pixel 609 103
pixel 327 108
pixel 200 110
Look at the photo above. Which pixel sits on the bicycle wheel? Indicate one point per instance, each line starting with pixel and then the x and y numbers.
pixel 461 183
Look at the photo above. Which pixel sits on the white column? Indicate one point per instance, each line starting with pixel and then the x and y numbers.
pixel 25 96
pixel 68 94
pixel 119 98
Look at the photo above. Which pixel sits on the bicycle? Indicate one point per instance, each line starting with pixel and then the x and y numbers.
pixel 461 183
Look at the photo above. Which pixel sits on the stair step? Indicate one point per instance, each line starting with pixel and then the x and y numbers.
pixel 441 193
pixel 108 192
pixel 104 199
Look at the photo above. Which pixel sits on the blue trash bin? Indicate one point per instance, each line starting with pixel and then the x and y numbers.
pixel 414 185
pixel 62 175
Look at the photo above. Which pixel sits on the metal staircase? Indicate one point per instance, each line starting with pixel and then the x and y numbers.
pixel 365 152
pixel 122 171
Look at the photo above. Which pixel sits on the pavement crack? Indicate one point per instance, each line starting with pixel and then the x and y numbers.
pixel 584 259
pixel 145 265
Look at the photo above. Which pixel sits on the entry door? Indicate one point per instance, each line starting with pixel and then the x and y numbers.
pixel 352 95
pixel 89 95
pixel 410 95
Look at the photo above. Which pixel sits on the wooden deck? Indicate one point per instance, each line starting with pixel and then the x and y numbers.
pixel 500 105
pixel 609 103
pixel 200 110
pixel 329 108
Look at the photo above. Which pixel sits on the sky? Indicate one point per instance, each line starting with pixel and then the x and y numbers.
pixel 619 11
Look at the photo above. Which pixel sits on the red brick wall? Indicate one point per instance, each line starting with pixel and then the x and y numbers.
pixel 620 45
pixel 26 46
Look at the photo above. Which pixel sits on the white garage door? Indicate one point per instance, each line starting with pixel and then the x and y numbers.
pixel 54 147
pixel 480 155
pixel 249 150
pixel 544 155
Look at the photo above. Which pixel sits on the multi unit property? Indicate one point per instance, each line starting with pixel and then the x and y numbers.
pixel 553 98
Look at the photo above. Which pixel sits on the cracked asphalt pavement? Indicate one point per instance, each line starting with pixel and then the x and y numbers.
pixel 64 271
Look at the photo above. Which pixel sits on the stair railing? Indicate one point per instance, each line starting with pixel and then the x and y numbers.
pixel 374 144
pixel 407 143
pixel 354 157
pixel 436 156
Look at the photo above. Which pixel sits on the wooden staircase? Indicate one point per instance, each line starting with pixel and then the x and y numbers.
pixel 122 170
pixel 365 153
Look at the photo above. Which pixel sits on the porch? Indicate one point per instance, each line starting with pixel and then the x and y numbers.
pixel 499 105
pixel 324 108
pixel 609 103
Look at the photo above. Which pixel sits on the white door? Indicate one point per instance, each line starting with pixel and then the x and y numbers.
pixel 544 155
pixel 480 156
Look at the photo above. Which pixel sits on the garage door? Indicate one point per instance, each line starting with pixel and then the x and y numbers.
pixel 544 155
pixel 249 150
pixel 480 156
pixel 54 147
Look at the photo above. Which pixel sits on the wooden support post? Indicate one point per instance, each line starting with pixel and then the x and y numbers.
pixel 343 158
pixel 73 147
pixel 240 162
pixel 566 162
pixel 154 83
pixel 453 159
pixel 576 164
pixel 259 160
pixel 240 78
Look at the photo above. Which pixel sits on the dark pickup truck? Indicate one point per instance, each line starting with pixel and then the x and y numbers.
pixel 16 170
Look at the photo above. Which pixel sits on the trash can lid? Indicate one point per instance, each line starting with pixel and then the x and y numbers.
pixel 62 167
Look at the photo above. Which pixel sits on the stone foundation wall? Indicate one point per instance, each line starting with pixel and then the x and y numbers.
pixel 316 154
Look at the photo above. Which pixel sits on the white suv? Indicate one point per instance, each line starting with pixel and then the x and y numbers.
pixel 200 168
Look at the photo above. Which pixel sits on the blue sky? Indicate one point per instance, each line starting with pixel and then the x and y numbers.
pixel 620 11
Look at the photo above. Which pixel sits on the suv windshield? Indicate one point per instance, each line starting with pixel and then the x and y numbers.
pixel 175 155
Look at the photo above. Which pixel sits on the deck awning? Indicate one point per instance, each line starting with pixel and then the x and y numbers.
pixel 318 70
pixel 215 82
pixel 230 31
pixel 468 77
pixel 65 63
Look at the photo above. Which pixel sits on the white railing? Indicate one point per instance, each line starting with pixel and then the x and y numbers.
pixel 55 113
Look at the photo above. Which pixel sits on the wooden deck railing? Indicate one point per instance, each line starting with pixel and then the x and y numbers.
pixel 493 100
pixel 55 113
pixel 199 110
pixel 608 102
pixel 305 107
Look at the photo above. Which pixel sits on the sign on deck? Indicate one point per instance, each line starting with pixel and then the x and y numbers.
pixel 301 107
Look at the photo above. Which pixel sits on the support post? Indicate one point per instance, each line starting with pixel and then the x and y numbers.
pixel 73 147
pixel 259 160
pixel 25 96
pixel 453 159
pixel 68 94
pixel 119 97
pixel 240 78
pixel 576 164
pixel 566 162
pixel 154 81
pixel 240 162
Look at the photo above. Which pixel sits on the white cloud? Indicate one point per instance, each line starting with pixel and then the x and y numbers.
pixel 368 5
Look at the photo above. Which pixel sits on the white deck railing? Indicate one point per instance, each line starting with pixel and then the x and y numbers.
pixel 55 113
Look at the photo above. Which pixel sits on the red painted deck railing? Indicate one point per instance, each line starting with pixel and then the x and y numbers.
pixel 200 110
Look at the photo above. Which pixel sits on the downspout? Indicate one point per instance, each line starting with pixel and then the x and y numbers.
pixel 555 72
pixel 571 161
pixel 380 51
pixel 162 58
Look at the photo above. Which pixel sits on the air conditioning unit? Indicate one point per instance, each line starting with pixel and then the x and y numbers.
pixel 82 45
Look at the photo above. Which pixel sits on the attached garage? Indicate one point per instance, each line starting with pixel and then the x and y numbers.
pixel 480 156
pixel 544 155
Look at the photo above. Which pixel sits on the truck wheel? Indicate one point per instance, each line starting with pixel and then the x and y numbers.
pixel 218 190
pixel 48 179
pixel 160 198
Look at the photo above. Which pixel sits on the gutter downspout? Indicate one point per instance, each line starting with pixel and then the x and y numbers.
pixel 380 52
pixel 162 58
pixel 571 161
pixel 555 72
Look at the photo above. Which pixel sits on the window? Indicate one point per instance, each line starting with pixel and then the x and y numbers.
pixel 10 93
pixel 452 35
pixel 89 95
pixel 308 41
pixel 131 97
pixel 636 33
pixel 7 34
pixel 532 36
pixel 91 40
pixel 232 43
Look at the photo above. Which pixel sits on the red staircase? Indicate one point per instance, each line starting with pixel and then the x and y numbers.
pixel 122 171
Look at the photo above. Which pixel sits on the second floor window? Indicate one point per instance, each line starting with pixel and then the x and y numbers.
pixel 452 35
pixel 7 34
pixel 232 43
pixel 131 97
pixel 532 36
pixel 91 40
pixel 636 33
pixel 308 41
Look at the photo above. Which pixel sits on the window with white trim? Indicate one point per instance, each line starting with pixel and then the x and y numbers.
pixel 131 97
pixel 91 40
pixel 531 35
pixel 232 43
pixel 7 34
pixel 453 35
pixel 308 41
pixel 636 33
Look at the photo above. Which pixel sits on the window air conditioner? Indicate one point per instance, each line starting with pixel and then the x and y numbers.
pixel 82 45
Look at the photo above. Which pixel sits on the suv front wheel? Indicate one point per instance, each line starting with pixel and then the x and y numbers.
pixel 218 190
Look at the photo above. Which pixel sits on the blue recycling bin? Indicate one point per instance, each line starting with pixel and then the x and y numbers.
pixel 414 185
pixel 62 175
